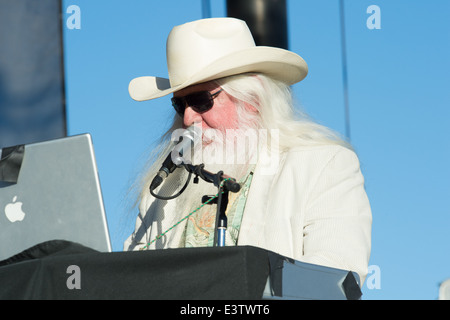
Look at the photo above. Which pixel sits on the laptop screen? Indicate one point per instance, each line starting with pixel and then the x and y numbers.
pixel 57 196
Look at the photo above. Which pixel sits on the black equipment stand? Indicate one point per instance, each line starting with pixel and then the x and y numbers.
pixel 61 269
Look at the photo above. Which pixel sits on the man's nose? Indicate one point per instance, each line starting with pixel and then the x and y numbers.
pixel 191 117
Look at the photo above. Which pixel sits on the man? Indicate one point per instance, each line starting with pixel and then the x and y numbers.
pixel 302 192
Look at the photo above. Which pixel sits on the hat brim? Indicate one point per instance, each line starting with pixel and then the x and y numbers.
pixel 279 64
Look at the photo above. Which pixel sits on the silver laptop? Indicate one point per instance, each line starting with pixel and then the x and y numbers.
pixel 57 196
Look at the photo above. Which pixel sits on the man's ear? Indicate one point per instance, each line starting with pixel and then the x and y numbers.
pixel 251 107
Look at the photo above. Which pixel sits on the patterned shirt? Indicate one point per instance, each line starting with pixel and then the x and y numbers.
pixel 200 227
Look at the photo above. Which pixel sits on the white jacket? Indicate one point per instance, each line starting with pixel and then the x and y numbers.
pixel 312 208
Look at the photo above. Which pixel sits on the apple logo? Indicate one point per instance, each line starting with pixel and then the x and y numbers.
pixel 13 211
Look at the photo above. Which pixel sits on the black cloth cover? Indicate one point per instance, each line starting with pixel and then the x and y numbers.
pixel 42 272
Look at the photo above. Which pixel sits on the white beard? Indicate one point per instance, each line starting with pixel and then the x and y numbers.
pixel 220 153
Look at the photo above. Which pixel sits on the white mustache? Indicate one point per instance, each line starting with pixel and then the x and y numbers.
pixel 237 146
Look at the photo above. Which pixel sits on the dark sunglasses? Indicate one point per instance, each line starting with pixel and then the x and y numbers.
pixel 199 101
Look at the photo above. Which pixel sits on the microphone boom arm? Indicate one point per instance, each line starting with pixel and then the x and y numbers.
pixel 225 184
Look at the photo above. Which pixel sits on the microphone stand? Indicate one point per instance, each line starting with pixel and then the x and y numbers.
pixel 225 184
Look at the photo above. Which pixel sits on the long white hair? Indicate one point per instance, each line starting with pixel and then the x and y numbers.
pixel 275 109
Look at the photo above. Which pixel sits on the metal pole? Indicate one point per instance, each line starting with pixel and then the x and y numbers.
pixel 206 9
pixel 266 19
pixel 344 70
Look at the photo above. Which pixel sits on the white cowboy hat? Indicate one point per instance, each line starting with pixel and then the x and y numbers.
pixel 214 48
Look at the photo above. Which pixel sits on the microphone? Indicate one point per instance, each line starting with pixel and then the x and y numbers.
pixel 175 157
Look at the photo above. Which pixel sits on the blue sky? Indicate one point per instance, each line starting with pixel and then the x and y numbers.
pixel 399 98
